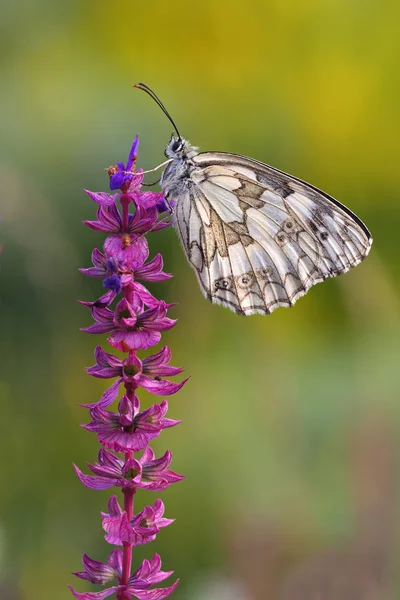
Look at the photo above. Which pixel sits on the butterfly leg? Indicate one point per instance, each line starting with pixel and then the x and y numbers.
pixel 153 183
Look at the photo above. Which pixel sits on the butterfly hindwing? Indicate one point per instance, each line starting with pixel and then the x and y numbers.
pixel 259 238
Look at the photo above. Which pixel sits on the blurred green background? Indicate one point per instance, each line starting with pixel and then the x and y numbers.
pixel 291 423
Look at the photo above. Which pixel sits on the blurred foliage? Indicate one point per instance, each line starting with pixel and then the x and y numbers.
pixel 275 406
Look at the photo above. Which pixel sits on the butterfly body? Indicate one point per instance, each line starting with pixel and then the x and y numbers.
pixel 256 237
pixel 177 174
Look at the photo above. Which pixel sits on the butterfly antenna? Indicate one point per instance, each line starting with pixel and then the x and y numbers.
pixel 149 91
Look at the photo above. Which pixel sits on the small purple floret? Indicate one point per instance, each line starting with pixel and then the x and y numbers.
pixel 124 173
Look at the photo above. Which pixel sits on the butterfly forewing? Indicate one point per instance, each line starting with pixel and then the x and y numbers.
pixel 259 238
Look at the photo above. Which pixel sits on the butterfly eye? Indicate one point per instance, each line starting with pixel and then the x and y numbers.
pixel 177 145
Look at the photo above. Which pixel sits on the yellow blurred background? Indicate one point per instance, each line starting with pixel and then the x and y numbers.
pixel 291 423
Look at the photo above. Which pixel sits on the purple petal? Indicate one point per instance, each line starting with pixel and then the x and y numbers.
pixel 115 560
pixel 95 595
pixel 157 485
pixel 106 470
pixel 156 364
pixel 126 279
pixel 104 372
pixel 159 464
pixel 140 538
pixel 99 328
pixel 157 594
pixel 155 360
pixel 93 271
pixel 148 199
pixel 145 295
pixel 99 226
pixel 152 271
pixel 95 571
pixel 161 387
pixel 123 441
pixel 142 220
pixel 159 576
pixel 114 508
pixel 135 301
pixel 102 198
pixel 147 456
pixel 135 254
pixel 101 302
pixel 114 283
pixel 166 423
pixel 105 359
pixel 117 180
pixel 161 324
pixel 162 224
pixel 110 215
pixel 133 153
pixel 94 482
pixel 98 258
pixel 125 410
pixel 158 507
pixel 102 315
pixel 162 205
pixel 108 459
pixel 155 562
pixel 134 340
pixel 107 397
pixel 117 528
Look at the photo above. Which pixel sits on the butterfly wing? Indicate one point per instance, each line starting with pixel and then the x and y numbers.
pixel 259 238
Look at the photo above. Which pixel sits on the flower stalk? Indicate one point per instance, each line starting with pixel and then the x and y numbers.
pixel 134 320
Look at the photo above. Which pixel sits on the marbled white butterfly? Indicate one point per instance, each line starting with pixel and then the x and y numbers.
pixel 256 237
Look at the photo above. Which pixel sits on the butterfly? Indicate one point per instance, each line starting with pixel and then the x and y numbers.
pixel 256 237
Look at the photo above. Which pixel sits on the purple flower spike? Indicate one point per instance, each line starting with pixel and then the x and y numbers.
pixel 133 319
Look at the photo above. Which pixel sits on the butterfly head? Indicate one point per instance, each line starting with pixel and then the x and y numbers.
pixel 179 148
